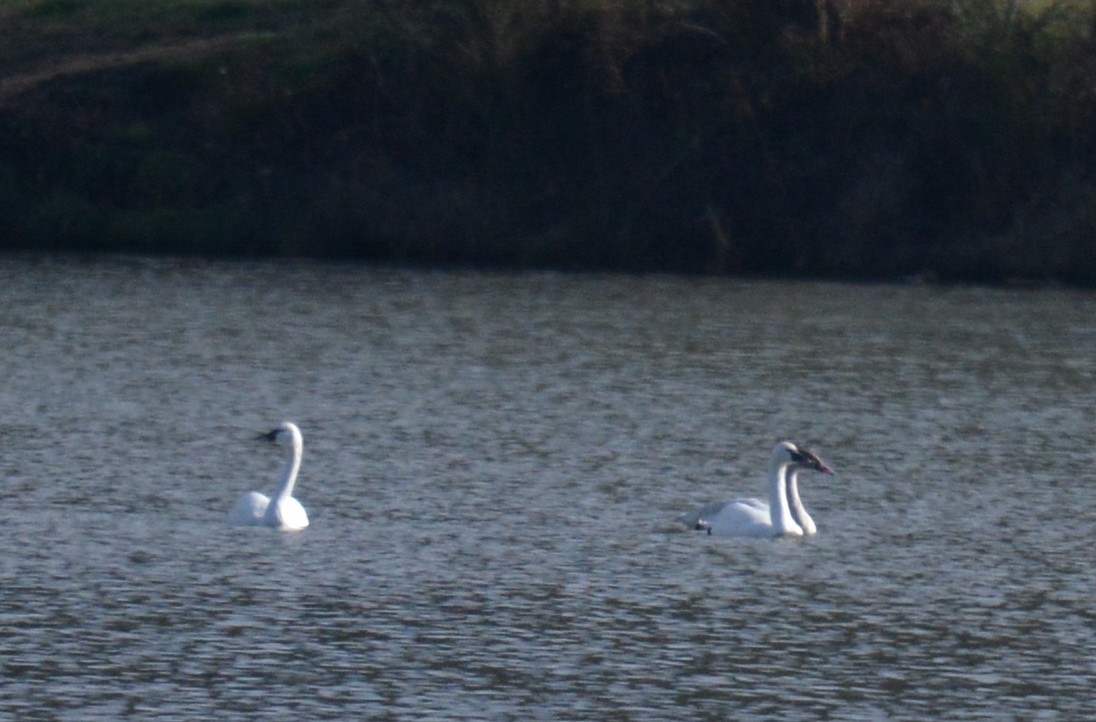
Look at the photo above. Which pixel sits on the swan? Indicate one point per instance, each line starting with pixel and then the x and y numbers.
pixel 784 514
pixel 283 511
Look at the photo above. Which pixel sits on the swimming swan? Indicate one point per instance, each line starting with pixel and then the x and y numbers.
pixel 784 514
pixel 283 512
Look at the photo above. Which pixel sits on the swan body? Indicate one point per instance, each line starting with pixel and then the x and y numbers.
pixel 281 511
pixel 782 515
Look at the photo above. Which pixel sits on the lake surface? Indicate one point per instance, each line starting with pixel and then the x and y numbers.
pixel 493 468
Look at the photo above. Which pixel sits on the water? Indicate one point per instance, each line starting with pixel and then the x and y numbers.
pixel 493 467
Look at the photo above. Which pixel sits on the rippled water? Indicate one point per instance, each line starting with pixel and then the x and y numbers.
pixel 493 467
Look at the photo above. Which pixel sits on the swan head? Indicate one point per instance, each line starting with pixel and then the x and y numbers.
pixel 789 453
pixel 284 432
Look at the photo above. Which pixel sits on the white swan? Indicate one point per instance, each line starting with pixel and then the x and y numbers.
pixel 283 511
pixel 784 514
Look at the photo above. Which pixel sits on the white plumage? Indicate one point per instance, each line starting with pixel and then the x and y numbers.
pixel 282 511
pixel 783 514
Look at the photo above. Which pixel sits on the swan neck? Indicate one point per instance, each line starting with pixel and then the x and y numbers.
pixel 798 511
pixel 781 516
pixel 292 466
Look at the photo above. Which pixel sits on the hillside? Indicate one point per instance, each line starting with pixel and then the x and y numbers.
pixel 828 138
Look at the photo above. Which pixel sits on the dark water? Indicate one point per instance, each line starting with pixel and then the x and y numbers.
pixel 493 466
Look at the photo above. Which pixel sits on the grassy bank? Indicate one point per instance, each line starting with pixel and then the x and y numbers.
pixel 848 138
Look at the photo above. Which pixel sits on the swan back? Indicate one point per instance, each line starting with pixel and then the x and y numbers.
pixel 249 509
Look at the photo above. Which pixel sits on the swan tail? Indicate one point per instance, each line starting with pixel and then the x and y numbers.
pixel 701 519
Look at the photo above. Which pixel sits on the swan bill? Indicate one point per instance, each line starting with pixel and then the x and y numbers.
pixel 810 460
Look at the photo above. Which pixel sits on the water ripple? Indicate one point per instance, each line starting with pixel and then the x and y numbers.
pixel 493 465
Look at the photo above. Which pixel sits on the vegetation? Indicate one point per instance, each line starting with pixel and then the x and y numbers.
pixel 839 138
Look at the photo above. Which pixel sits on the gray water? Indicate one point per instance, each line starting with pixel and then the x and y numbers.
pixel 493 468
